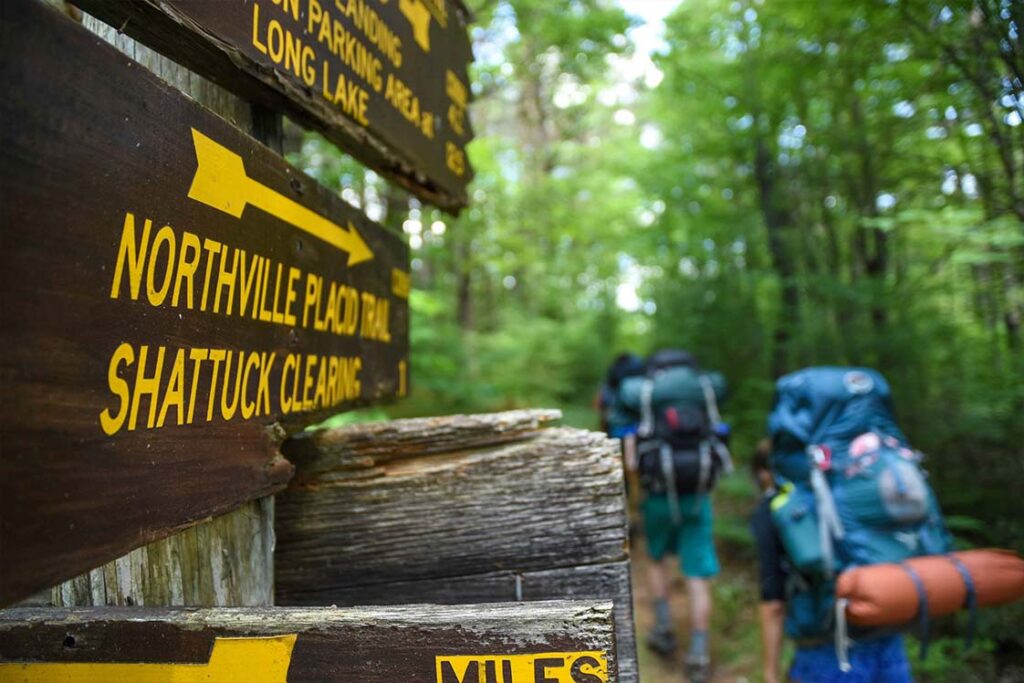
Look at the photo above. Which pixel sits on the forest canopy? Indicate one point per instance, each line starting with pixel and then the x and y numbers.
pixel 767 184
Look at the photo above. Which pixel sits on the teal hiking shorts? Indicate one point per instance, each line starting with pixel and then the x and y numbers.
pixel 691 539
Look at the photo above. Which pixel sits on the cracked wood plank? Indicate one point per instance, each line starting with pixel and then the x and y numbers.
pixel 492 508
pixel 368 644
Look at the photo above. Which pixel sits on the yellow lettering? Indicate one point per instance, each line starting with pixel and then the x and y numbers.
pixel 308 70
pixel 146 385
pixel 293 7
pixel 255 28
pixel 197 356
pixel 251 364
pixel 226 278
pixel 307 383
pixel 111 424
pixel 187 268
pixel 274 30
pixel 156 295
pixel 227 410
pixel 455 158
pixel 211 247
pixel 246 283
pixel 320 396
pixel 175 394
pixel 313 16
pixel 332 393
pixel 264 313
pixel 263 388
pixel 293 275
pixel 135 256
pixel 276 315
pixel 286 403
pixel 216 356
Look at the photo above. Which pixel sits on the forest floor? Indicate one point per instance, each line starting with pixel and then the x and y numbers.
pixel 731 664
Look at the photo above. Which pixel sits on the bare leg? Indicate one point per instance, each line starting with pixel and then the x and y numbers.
pixel 698 659
pixel 658 579
pixel 700 603
pixel 662 637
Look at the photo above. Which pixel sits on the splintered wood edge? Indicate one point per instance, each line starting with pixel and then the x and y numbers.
pixel 365 445
pixel 527 616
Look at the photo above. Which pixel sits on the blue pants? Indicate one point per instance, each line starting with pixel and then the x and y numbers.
pixel 882 660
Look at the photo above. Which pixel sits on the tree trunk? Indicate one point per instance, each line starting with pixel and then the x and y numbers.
pixel 778 221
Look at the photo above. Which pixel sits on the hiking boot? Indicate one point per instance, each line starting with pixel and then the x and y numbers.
pixel 698 669
pixel 662 639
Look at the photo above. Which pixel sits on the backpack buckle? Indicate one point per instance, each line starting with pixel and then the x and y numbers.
pixel 821 456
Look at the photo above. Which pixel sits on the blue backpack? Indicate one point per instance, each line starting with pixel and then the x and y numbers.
pixel 854 492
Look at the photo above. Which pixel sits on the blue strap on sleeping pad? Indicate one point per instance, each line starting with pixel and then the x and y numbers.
pixel 922 607
pixel 971 602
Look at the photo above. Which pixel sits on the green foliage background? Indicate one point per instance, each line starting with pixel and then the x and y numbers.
pixel 809 183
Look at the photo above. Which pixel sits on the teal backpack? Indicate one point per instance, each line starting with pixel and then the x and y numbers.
pixel 681 439
pixel 854 493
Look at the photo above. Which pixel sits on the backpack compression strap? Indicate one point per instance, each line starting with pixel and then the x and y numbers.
pixel 711 402
pixel 711 406
pixel 646 427
pixel 971 601
pixel 668 470
pixel 829 524
pixel 843 641
pixel 922 607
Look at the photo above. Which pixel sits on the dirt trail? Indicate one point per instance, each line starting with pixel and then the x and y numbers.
pixel 656 669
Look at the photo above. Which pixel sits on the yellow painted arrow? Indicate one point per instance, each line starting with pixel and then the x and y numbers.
pixel 233 660
pixel 419 18
pixel 222 183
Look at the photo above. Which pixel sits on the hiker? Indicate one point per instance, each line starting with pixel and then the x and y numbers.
pixel 841 488
pixel 619 423
pixel 616 421
pixel 682 450
pixel 771 565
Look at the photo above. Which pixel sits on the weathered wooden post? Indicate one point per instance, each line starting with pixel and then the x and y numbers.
pixel 535 642
pixel 186 302
pixel 461 509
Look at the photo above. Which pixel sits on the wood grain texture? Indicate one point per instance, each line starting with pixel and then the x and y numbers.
pixel 369 645
pixel 226 561
pixel 230 42
pixel 361 451
pixel 94 144
pixel 488 509
pixel 608 581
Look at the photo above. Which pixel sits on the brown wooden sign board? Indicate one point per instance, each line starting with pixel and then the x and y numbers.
pixel 385 80
pixel 172 291
pixel 552 642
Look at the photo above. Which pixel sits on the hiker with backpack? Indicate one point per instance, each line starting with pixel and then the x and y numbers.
pixel 616 421
pixel 682 450
pixel 843 489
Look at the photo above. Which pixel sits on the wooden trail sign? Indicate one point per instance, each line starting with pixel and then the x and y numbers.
pixel 544 642
pixel 460 509
pixel 172 291
pixel 385 80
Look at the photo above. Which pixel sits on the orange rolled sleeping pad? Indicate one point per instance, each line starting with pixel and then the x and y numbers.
pixel 886 594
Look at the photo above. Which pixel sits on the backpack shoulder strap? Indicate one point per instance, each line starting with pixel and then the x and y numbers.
pixel 711 405
pixel 646 427
pixel 710 401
